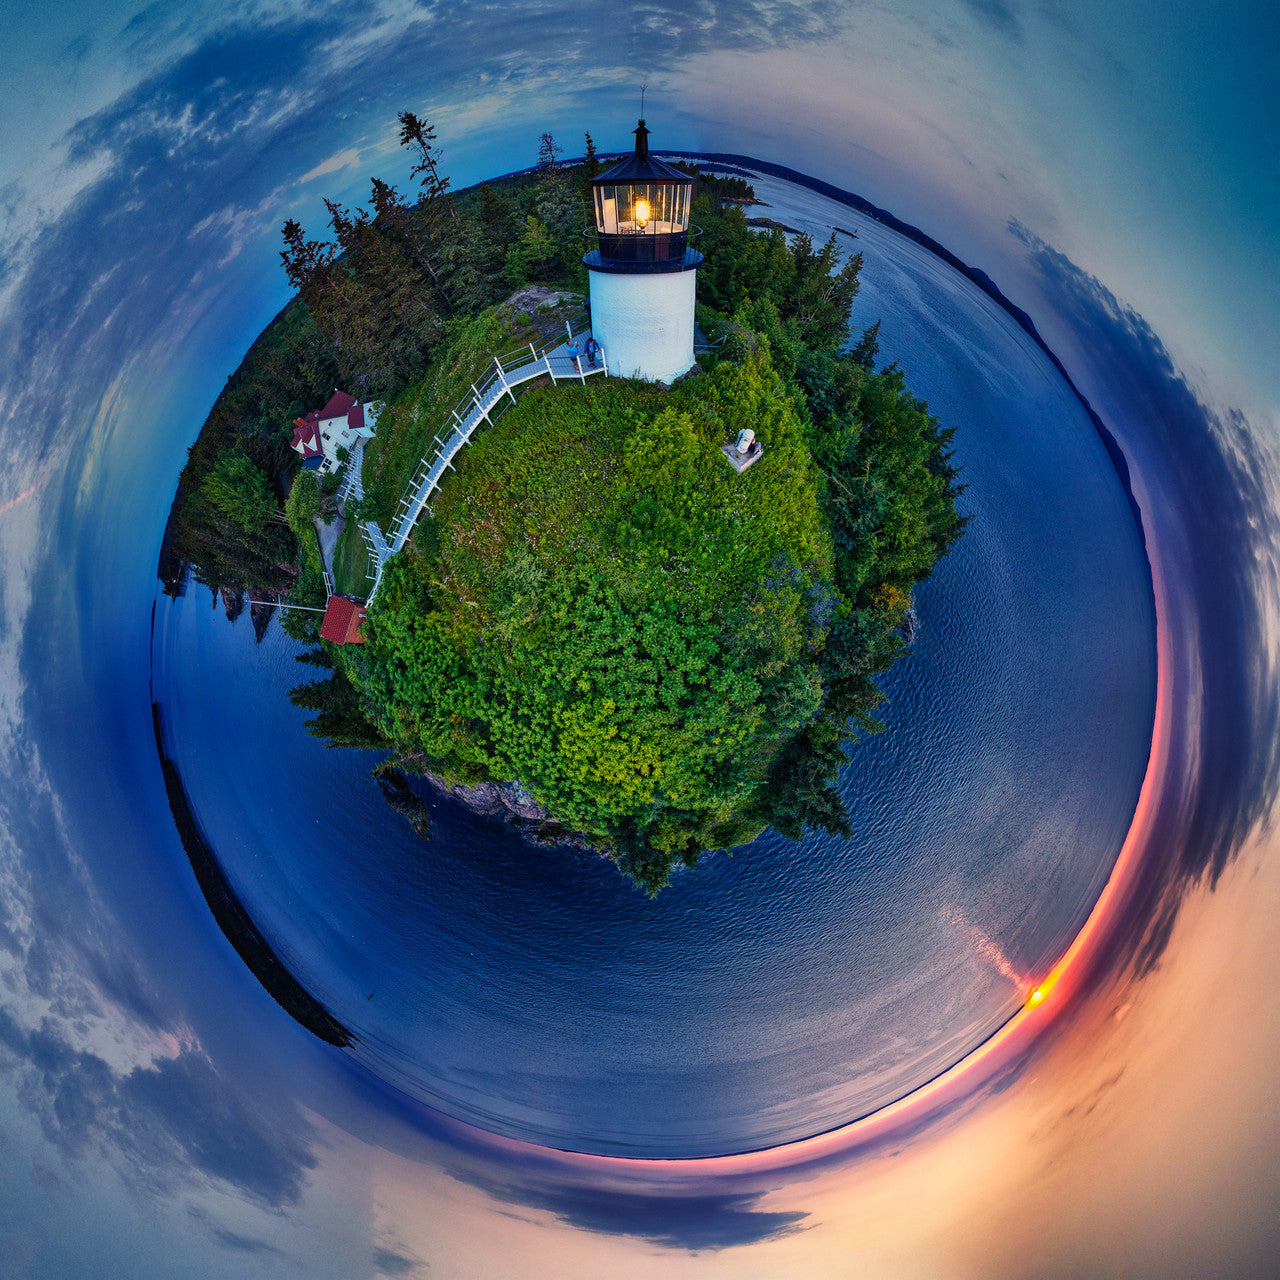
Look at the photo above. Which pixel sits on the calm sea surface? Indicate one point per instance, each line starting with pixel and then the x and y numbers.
pixel 788 988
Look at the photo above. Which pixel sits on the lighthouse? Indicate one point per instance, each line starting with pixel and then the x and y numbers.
pixel 643 272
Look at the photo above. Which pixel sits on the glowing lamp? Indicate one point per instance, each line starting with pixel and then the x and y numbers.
pixel 642 207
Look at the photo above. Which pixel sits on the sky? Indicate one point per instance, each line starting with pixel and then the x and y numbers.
pixel 1115 169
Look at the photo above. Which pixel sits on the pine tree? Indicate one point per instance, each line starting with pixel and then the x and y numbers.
pixel 536 249
pixel 549 153
pixel 240 490
pixel 867 348
pixel 495 216
pixel 420 137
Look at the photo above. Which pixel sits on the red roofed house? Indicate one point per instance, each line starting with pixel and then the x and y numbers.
pixel 306 436
pixel 337 426
pixel 343 617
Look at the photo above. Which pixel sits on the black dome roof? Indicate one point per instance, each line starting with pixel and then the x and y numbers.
pixel 641 167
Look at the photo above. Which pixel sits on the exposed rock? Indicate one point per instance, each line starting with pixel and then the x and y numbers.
pixel 909 624
pixel 402 799
pixel 769 224
pixel 516 807
pixel 534 297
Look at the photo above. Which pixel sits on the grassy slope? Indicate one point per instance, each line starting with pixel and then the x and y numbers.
pixel 409 424
pixel 583 476
pixel 351 562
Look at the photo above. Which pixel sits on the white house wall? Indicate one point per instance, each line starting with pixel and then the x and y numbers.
pixel 644 322
pixel 337 433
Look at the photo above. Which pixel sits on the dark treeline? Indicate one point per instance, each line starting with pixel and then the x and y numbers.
pixel 231 917
pixel 718 187
pixel 246 438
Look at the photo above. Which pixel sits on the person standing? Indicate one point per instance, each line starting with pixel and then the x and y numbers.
pixel 572 349
pixel 592 350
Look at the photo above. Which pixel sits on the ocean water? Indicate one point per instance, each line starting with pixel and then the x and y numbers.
pixel 790 987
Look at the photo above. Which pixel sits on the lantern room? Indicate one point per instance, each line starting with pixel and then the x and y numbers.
pixel 643 272
pixel 642 214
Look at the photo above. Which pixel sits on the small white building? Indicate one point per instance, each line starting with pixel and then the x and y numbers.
pixel 338 425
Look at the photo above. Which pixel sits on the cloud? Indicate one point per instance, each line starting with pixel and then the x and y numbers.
pixel 347 158
pixel 694 1222
pixel 387 1262
pixel 244 1244
pixel 94 1054
pixel 998 16
pixel 162 1124
pixel 172 1120
pixel 235 1241
pixel 183 1109
pixel 1212 516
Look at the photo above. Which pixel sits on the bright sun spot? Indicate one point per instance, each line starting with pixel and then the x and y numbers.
pixel 1041 992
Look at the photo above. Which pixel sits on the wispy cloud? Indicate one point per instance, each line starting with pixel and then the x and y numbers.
pixel 347 158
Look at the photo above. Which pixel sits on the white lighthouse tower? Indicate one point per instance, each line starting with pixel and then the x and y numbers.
pixel 643 272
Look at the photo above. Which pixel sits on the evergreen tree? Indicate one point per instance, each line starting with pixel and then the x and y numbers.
pixel 531 254
pixel 496 217
pixel 549 153
pixel 341 719
pixel 588 169
pixel 867 347
pixel 303 504
pixel 240 490
pixel 420 139
pixel 591 166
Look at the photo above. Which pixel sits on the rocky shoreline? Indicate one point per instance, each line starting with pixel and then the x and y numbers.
pixel 508 801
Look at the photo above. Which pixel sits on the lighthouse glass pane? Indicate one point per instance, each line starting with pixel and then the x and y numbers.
pixel 606 210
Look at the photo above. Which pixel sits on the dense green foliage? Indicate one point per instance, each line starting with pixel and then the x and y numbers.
pixel 612 616
pixel 252 417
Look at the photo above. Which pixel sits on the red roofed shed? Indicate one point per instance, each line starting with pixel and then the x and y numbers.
pixel 342 620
